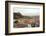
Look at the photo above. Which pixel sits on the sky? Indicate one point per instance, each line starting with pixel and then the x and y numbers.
pixel 27 11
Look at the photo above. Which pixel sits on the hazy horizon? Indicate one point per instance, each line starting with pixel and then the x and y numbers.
pixel 27 11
